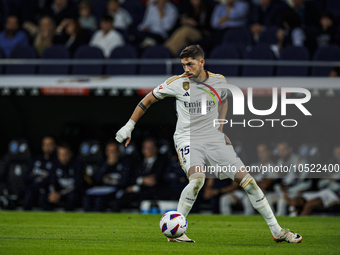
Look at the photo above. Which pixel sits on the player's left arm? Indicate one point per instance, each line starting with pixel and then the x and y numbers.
pixel 222 112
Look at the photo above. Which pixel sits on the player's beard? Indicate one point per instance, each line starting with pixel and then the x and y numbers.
pixel 195 77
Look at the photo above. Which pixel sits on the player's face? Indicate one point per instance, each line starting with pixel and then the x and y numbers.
pixel 263 153
pixel 64 155
pixel 284 150
pixel 193 68
pixel 48 145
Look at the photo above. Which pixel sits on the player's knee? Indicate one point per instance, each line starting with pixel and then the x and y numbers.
pixel 249 184
pixel 197 179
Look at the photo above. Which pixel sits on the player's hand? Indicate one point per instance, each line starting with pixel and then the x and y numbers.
pixel 227 140
pixel 125 132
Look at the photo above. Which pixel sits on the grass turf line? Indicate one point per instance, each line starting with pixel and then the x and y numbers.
pixel 106 233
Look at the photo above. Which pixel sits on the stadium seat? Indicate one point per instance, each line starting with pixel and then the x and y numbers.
pixel 123 52
pixel 136 10
pixel 310 152
pixel 177 69
pixel 328 53
pixel 155 52
pixel 91 155
pixel 240 37
pixel 259 52
pixel 88 52
pixel 224 51
pixel 55 52
pixel 22 52
pixel 14 166
pixel 293 53
pixel 268 36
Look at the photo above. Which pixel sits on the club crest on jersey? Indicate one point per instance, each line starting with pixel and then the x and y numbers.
pixel 186 85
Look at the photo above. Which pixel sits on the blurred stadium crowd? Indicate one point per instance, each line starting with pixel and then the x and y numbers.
pixel 226 29
pixel 111 177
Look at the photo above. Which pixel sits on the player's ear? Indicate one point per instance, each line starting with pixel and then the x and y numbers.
pixel 202 62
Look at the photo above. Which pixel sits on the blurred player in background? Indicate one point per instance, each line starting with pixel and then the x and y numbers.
pixel 295 182
pixel 113 173
pixel 197 142
pixel 328 193
pixel 37 178
pixel 146 180
pixel 65 181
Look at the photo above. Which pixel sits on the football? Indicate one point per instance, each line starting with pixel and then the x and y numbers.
pixel 173 224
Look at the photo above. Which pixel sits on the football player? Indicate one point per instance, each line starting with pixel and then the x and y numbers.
pixel 201 98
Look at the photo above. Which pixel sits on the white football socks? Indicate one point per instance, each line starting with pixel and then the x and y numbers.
pixel 260 203
pixel 190 192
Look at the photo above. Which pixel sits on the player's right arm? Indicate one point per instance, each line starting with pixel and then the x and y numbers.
pixel 125 132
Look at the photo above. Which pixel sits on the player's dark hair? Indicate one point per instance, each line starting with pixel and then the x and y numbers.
pixel 107 18
pixel 192 51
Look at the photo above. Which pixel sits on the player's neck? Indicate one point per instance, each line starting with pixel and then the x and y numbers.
pixel 201 77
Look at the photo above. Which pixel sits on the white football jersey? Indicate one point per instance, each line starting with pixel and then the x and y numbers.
pixel 196 105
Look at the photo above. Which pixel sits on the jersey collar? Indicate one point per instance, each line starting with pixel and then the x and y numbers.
pixel 200 83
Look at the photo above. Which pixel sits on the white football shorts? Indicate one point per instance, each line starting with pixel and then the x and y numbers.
pixel 217 157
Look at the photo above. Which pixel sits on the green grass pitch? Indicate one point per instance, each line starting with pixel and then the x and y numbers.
pixel 106 233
